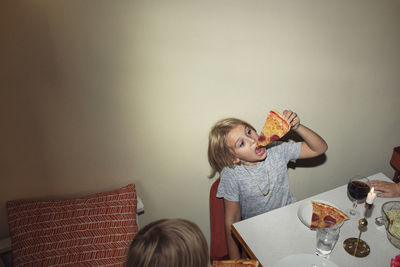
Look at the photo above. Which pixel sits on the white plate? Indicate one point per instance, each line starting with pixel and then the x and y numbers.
pixel 304 260
pixel 305 211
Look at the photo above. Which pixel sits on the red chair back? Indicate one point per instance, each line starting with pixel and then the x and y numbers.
pixel 395 163
pixel 218 249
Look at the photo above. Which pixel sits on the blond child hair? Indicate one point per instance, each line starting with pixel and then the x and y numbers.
pixel 220 155
pixel 169 243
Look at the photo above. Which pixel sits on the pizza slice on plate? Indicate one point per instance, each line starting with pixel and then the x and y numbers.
pixel 274 128
pixel 324 215
pixel 236 263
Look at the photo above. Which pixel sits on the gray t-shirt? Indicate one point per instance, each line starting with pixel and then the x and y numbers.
pixel 247 184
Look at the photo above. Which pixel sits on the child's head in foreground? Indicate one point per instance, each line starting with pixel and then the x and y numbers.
pixel 233 141
pixel 169 243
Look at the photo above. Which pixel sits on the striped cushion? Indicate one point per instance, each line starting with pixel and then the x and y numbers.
pixel 90 231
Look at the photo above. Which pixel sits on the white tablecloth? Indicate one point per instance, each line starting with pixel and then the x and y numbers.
pixel 279 233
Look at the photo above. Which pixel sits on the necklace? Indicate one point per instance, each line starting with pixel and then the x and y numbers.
pixel 266 192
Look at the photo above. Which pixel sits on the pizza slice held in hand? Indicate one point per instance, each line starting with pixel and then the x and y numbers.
pixel 275 127
pixel 324 216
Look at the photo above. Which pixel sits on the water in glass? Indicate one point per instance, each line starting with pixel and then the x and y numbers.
pixel 326 240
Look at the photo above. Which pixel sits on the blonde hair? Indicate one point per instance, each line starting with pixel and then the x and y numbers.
pixel 169 243
pixel 220 155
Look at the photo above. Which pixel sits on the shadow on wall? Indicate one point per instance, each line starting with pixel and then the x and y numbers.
pixel 28 67
pixel 303 163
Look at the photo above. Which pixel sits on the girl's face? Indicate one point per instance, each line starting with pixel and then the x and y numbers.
pixel 243 141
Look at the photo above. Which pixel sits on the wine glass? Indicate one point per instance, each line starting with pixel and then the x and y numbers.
pixel 358 189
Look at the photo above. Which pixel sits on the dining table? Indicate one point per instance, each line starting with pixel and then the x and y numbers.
pixel 274 235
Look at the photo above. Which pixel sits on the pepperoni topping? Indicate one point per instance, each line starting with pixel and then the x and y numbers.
pixel 261 138
pixel 274 138
pixel 315 217
pixel 329 220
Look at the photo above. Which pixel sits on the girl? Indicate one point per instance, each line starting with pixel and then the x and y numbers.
pixel 254 179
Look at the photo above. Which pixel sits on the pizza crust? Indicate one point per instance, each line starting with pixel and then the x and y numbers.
pixel 236 263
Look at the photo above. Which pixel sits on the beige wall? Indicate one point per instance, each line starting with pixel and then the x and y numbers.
pixel 98 94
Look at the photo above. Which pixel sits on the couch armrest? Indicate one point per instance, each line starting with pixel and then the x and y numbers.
pixel 5 245
pixel 140 205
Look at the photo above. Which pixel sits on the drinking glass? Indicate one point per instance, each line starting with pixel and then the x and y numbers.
pixel 357 189
pixel 326 240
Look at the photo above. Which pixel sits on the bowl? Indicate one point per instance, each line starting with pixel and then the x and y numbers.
pixel 388 221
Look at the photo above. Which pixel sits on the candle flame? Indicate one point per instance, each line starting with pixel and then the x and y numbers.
pixel 372 190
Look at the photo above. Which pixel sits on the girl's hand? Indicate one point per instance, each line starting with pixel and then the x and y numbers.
pixel 292 119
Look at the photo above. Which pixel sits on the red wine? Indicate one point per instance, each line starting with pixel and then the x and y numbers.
pixel 358 190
